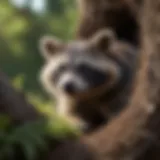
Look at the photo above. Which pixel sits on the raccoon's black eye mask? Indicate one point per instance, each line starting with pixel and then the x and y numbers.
pixel 91 75
pixel 56 75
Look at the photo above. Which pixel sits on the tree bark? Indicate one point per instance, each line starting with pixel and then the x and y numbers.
pixel 120 15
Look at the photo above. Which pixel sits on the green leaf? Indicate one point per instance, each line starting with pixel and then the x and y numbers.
pixel 29 150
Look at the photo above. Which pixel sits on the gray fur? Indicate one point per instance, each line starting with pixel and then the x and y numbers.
pixel 91 84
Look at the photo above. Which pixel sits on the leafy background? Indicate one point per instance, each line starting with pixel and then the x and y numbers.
pixel 22 23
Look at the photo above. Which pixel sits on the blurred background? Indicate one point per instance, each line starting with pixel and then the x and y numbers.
pixel 22 23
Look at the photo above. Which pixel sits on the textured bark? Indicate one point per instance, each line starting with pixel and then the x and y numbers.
pixel 120 15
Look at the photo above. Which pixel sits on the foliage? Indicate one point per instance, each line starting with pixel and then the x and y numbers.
pixel 28 140
pixel 21 29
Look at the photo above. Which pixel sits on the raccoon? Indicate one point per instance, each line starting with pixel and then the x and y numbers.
pixel 91 80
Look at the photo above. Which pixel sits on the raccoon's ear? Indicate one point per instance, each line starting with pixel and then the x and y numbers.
pixel 49 46
pixel 102 39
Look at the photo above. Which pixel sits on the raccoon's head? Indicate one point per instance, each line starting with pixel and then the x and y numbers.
pixel 79 69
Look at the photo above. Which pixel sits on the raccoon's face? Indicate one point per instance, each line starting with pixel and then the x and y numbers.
pixel 78 69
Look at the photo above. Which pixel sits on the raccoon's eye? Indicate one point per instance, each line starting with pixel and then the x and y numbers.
pixel 83 68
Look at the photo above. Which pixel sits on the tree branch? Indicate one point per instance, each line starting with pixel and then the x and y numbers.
pixel 14 104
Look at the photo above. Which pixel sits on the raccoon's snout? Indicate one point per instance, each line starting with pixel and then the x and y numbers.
pixel 72 84
pixel 70 88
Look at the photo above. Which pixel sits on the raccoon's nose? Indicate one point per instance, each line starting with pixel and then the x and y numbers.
pixel 70 88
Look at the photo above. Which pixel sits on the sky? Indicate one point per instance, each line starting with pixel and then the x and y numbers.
pixel 36 4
